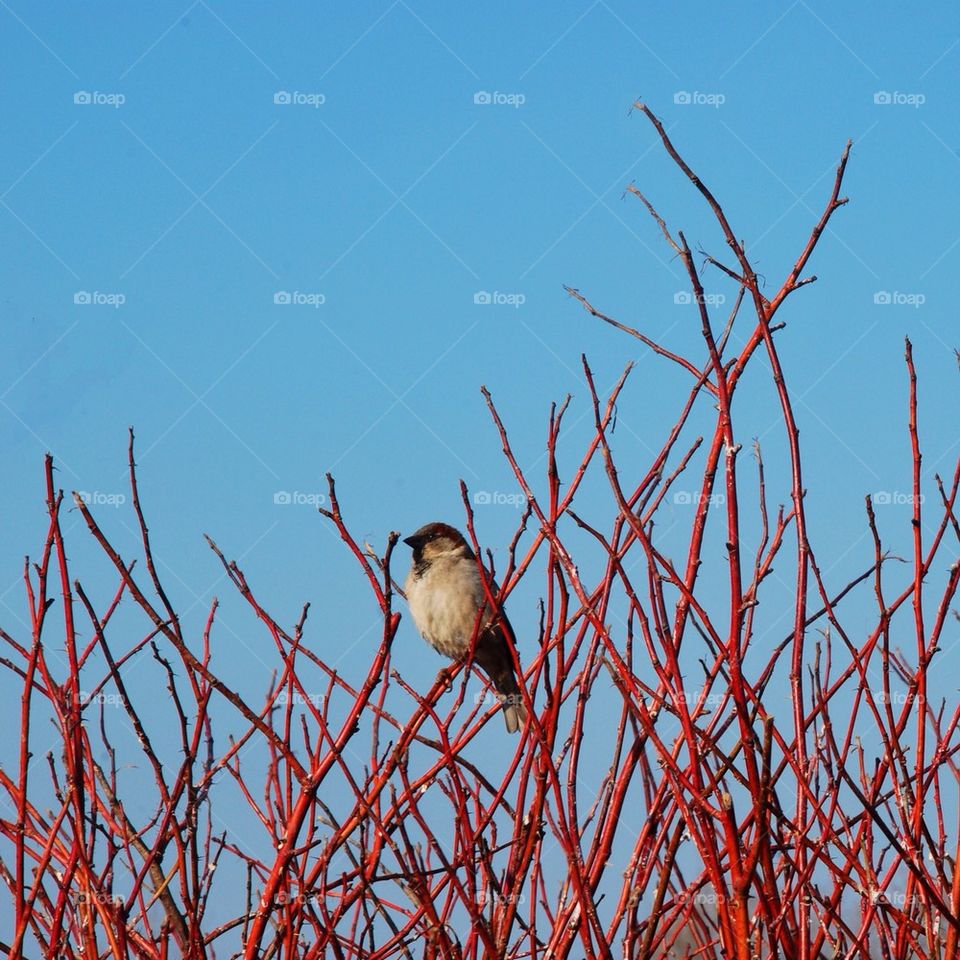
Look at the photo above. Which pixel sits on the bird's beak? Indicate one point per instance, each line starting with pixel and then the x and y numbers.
pixel 411 541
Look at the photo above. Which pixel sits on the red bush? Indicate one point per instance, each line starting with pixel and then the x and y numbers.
pixel 693 819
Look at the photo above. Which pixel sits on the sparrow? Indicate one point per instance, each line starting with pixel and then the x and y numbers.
pixel 447 600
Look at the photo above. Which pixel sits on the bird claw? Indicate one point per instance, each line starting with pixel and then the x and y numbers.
pixel 444 675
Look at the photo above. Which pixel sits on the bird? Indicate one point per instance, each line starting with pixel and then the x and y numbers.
pixel 447 600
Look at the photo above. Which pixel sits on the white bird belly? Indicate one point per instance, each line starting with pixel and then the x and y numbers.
pixel 444 603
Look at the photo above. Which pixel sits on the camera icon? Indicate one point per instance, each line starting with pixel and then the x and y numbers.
pixel 482 498
pixel 282 97
pixel 82 97
pixel 882 97
pixel 482 297
pixel 683 497
pixel 282 498
pixel 682 97
pixel 882 297
pixel 882 498
pixel 281 297
pixel 82 297
pixel 682 297
pixel 482 98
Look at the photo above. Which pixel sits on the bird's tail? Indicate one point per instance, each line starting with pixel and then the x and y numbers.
pixel 493 657
pixel 514 712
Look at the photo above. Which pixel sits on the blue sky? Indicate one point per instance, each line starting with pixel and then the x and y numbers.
pixel 421 154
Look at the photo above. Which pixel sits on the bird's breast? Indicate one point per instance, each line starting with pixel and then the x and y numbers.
pixel 444 601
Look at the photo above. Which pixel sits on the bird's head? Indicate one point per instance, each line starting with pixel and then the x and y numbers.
pixel 436 540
